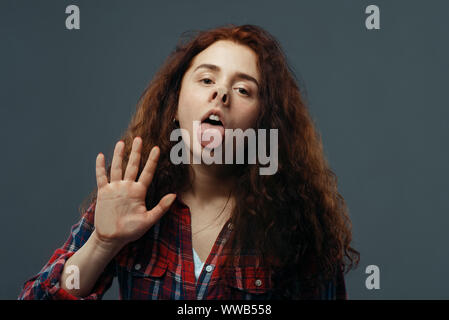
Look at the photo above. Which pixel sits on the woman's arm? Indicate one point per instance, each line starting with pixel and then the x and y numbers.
pixel 120 217
pixel 46 284
pixel 90 261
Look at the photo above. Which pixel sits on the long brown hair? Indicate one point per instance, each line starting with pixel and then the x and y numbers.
pixel 295 218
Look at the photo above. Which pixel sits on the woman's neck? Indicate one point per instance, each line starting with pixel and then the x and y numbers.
pixel 209 198
pixel 209 183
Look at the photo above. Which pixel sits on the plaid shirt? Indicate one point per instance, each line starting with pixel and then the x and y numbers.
pixel 160 266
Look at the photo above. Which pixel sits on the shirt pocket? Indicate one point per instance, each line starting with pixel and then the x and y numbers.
pixel 248 283
pixel 144 282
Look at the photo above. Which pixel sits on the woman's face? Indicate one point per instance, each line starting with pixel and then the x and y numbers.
pixel 222 80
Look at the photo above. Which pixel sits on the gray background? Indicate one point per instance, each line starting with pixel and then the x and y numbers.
pixel 379 99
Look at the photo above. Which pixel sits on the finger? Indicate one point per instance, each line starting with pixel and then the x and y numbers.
pixel 134 160
pixel 116 166
pixel 150 167
pixel 100 171
pixel 158 211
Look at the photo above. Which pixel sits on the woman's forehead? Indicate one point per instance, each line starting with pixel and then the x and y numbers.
pixel 227 56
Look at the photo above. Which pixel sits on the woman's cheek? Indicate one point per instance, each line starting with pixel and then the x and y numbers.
pixel 248 119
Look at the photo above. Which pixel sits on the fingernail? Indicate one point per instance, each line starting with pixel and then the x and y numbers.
pixel 170 199
pixel 154 153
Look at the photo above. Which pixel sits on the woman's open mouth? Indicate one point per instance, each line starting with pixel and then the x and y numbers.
pixel 211 129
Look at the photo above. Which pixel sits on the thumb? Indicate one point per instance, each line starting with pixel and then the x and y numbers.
pixel 158 211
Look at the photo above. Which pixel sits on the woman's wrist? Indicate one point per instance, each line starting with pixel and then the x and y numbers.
pixel 105 247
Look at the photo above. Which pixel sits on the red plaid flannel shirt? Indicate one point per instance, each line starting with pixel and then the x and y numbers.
pixel 160 266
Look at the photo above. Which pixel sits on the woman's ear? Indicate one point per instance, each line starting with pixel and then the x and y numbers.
pixel 175 119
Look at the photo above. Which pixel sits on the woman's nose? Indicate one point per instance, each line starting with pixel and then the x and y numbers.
pixel 222 94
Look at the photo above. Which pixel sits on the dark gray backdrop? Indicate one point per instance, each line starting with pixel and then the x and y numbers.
pixel 379 99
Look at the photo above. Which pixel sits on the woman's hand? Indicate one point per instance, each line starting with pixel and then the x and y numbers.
pixel 121 215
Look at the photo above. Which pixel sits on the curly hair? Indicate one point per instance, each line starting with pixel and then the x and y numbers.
pixel 296 220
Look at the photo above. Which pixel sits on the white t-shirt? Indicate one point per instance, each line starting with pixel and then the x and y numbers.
pixel 198 264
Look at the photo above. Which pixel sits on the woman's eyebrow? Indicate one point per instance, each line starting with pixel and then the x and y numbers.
pixel 240 75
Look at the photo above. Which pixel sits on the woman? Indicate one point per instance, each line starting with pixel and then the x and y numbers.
pixel 213 231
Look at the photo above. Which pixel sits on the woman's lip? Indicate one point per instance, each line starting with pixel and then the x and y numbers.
pixel 215 112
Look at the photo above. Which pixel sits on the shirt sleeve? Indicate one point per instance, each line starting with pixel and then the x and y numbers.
pixel 336 288
pixel 45 285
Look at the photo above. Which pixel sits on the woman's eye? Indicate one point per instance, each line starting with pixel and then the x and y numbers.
pixel 206 81
pixel 243 91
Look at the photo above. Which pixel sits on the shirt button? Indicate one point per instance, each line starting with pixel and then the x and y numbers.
pixel 209 268
pixel 258 282
pixel 137 266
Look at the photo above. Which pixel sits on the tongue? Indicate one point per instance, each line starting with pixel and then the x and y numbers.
pixel 217 129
